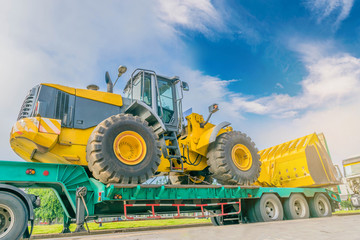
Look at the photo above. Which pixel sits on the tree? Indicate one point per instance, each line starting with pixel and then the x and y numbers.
pixel 50 208
pixel 346 205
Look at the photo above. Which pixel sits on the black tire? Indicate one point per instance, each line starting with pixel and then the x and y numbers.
pixel 223 167
pixel 296 207
pixel 320 206
pixel 269 208
pixel 105 165
pixel 250 211
pixel 219 220
pixel 14 208
pixel 177 179
pixel 215 221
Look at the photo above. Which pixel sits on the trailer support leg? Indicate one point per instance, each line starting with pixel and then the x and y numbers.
pixel 80 209
pixel 66 224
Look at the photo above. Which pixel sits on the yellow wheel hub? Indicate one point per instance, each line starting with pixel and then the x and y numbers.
pixel 129 147
pixel 241 157
pixel 197 179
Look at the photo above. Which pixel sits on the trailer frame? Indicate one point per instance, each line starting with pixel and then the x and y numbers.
pixel 84 198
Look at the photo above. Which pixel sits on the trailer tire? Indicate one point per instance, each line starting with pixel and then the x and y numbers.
pixel 219 220
pixel 250 211
pixel 296 207
pixel 215 221
pixel 234 159
pixel 13 208
pixel 123 149
pixel 320 206
pixel 269 208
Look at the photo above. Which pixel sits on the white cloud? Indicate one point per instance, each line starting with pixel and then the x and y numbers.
pixel 334 9
pixel 331 80
pixel 214 21
pixel 72 43
pixel 279 85
pixel 198 15
pixel 328 101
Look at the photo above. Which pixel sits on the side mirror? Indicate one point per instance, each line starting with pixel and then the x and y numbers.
pixel 185 86
pixel 213 108
pixel 121 70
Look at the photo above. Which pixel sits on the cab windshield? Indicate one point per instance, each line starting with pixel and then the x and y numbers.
pixel 352 170
pixel 142 91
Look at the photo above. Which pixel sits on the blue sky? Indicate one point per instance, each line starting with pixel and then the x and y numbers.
pixel 279 69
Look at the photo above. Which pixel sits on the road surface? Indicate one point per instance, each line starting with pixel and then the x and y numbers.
pixel 336 227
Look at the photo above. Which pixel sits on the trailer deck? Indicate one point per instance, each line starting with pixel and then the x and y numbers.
pixel 83 197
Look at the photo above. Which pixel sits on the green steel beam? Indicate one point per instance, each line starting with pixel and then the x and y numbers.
pixel 65 179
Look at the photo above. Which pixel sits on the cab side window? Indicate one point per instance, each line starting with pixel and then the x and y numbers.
pixel 90 113
pixel 141 88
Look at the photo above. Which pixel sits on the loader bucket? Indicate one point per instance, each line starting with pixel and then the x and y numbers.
pixel 303 162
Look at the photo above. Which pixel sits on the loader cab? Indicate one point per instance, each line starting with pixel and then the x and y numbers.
pixel 352 167
pixel 162 94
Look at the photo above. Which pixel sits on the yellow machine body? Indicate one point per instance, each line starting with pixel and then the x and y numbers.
pixel 105 97
pixel 194 144
pixel 303 162
pixel 39 139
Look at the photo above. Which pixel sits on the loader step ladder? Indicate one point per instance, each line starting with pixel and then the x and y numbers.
pixel 174 154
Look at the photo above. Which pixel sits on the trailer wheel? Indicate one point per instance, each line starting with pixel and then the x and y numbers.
pixel 215 221
pixel 268 208
pixel 320 206
pixel 123 149
pixel 296 207
pixel 234 159
pixel 250 211
pixel 13 216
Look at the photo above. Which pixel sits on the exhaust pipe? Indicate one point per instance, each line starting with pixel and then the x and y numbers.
pixel 109 83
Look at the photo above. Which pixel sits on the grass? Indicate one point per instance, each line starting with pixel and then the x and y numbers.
pixel 57 228
pixel 347 211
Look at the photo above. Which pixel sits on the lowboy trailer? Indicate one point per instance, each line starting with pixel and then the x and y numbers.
pixel 83 198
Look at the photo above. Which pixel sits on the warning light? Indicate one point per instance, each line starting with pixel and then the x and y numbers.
pixel 117 196
pixel 46 173
pixel 100 198
pixel 30 171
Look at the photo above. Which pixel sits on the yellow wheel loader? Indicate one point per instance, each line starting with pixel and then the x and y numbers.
pixel 129 139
